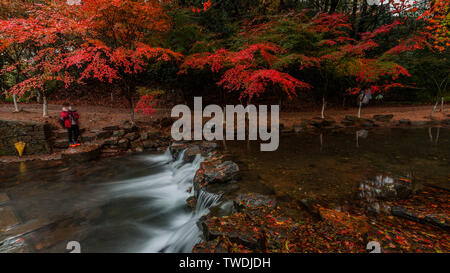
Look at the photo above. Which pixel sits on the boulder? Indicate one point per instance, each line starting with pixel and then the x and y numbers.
pixel 249 235
pixel 81 153
pixel 252 201
pixel 383 118
pixel 190 154
pixel 404 121
pixel 321 123
pixel 215 171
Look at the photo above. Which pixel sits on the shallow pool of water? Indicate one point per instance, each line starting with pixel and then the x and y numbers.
pixel 332 165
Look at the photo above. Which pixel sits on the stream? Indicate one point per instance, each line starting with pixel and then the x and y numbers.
pixel 137 203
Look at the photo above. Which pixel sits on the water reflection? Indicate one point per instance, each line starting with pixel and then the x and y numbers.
pixel 374 192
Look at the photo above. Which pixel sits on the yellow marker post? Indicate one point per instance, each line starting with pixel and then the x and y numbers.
pixel 20 146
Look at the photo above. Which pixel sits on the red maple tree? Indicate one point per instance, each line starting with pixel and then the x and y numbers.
pixel 248 71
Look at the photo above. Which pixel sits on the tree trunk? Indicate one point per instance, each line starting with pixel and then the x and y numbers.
pixel 44 107
pixel 333 6
pixel 442 104
pixel 324 103
pixel 434 108
pixel 16 107
pixel 359 108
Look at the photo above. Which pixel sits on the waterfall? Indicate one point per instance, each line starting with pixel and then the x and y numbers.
pixel 169 226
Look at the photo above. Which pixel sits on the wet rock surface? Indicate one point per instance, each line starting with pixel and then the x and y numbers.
pixel 81 154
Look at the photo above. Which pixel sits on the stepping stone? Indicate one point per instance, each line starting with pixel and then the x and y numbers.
pixel 404 121
pixel 81 153
pixel 383 118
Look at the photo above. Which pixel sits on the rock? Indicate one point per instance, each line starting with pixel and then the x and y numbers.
pixel 88 137
pixel 124 143
pixel 119 133
pixel 439 220
pixel 81 153
pixel 249 235
pixel 177 147
pixel 61 133
pixel 111 128
pixel 191 203
pixel 61 144
pixel 111 141
pixel 446 121
pixel 137 144
pixel 320 123
pixel 252 200
pixel 404 121
pixel 352 118
pixel 153 135
pixel 129 127
pixel 418 123
pixel 191 153
pixel 132 136
pixel 311 207
pixel 213 171
pixel 104 134
pixel 143 136
pixel 383 118
pixel 148 144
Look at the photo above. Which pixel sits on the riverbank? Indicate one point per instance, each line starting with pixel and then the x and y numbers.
pixel 97 117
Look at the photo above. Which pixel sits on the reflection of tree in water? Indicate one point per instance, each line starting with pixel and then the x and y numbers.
pixel 375 192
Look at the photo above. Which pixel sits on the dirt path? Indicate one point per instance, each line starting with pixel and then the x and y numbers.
pixel 93 117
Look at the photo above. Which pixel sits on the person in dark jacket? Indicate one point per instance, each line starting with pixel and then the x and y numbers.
pixel 70 119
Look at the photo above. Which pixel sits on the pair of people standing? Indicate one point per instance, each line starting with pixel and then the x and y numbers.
pixel 69 120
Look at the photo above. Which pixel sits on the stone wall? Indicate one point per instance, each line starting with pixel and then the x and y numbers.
pixel 35 135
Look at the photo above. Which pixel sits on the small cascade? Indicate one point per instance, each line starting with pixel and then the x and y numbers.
pixel 172 228
pixel 206 200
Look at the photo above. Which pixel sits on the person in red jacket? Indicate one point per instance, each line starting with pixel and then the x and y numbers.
pixel 69 118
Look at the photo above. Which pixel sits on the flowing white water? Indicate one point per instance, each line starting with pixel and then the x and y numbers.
pixel 172 228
